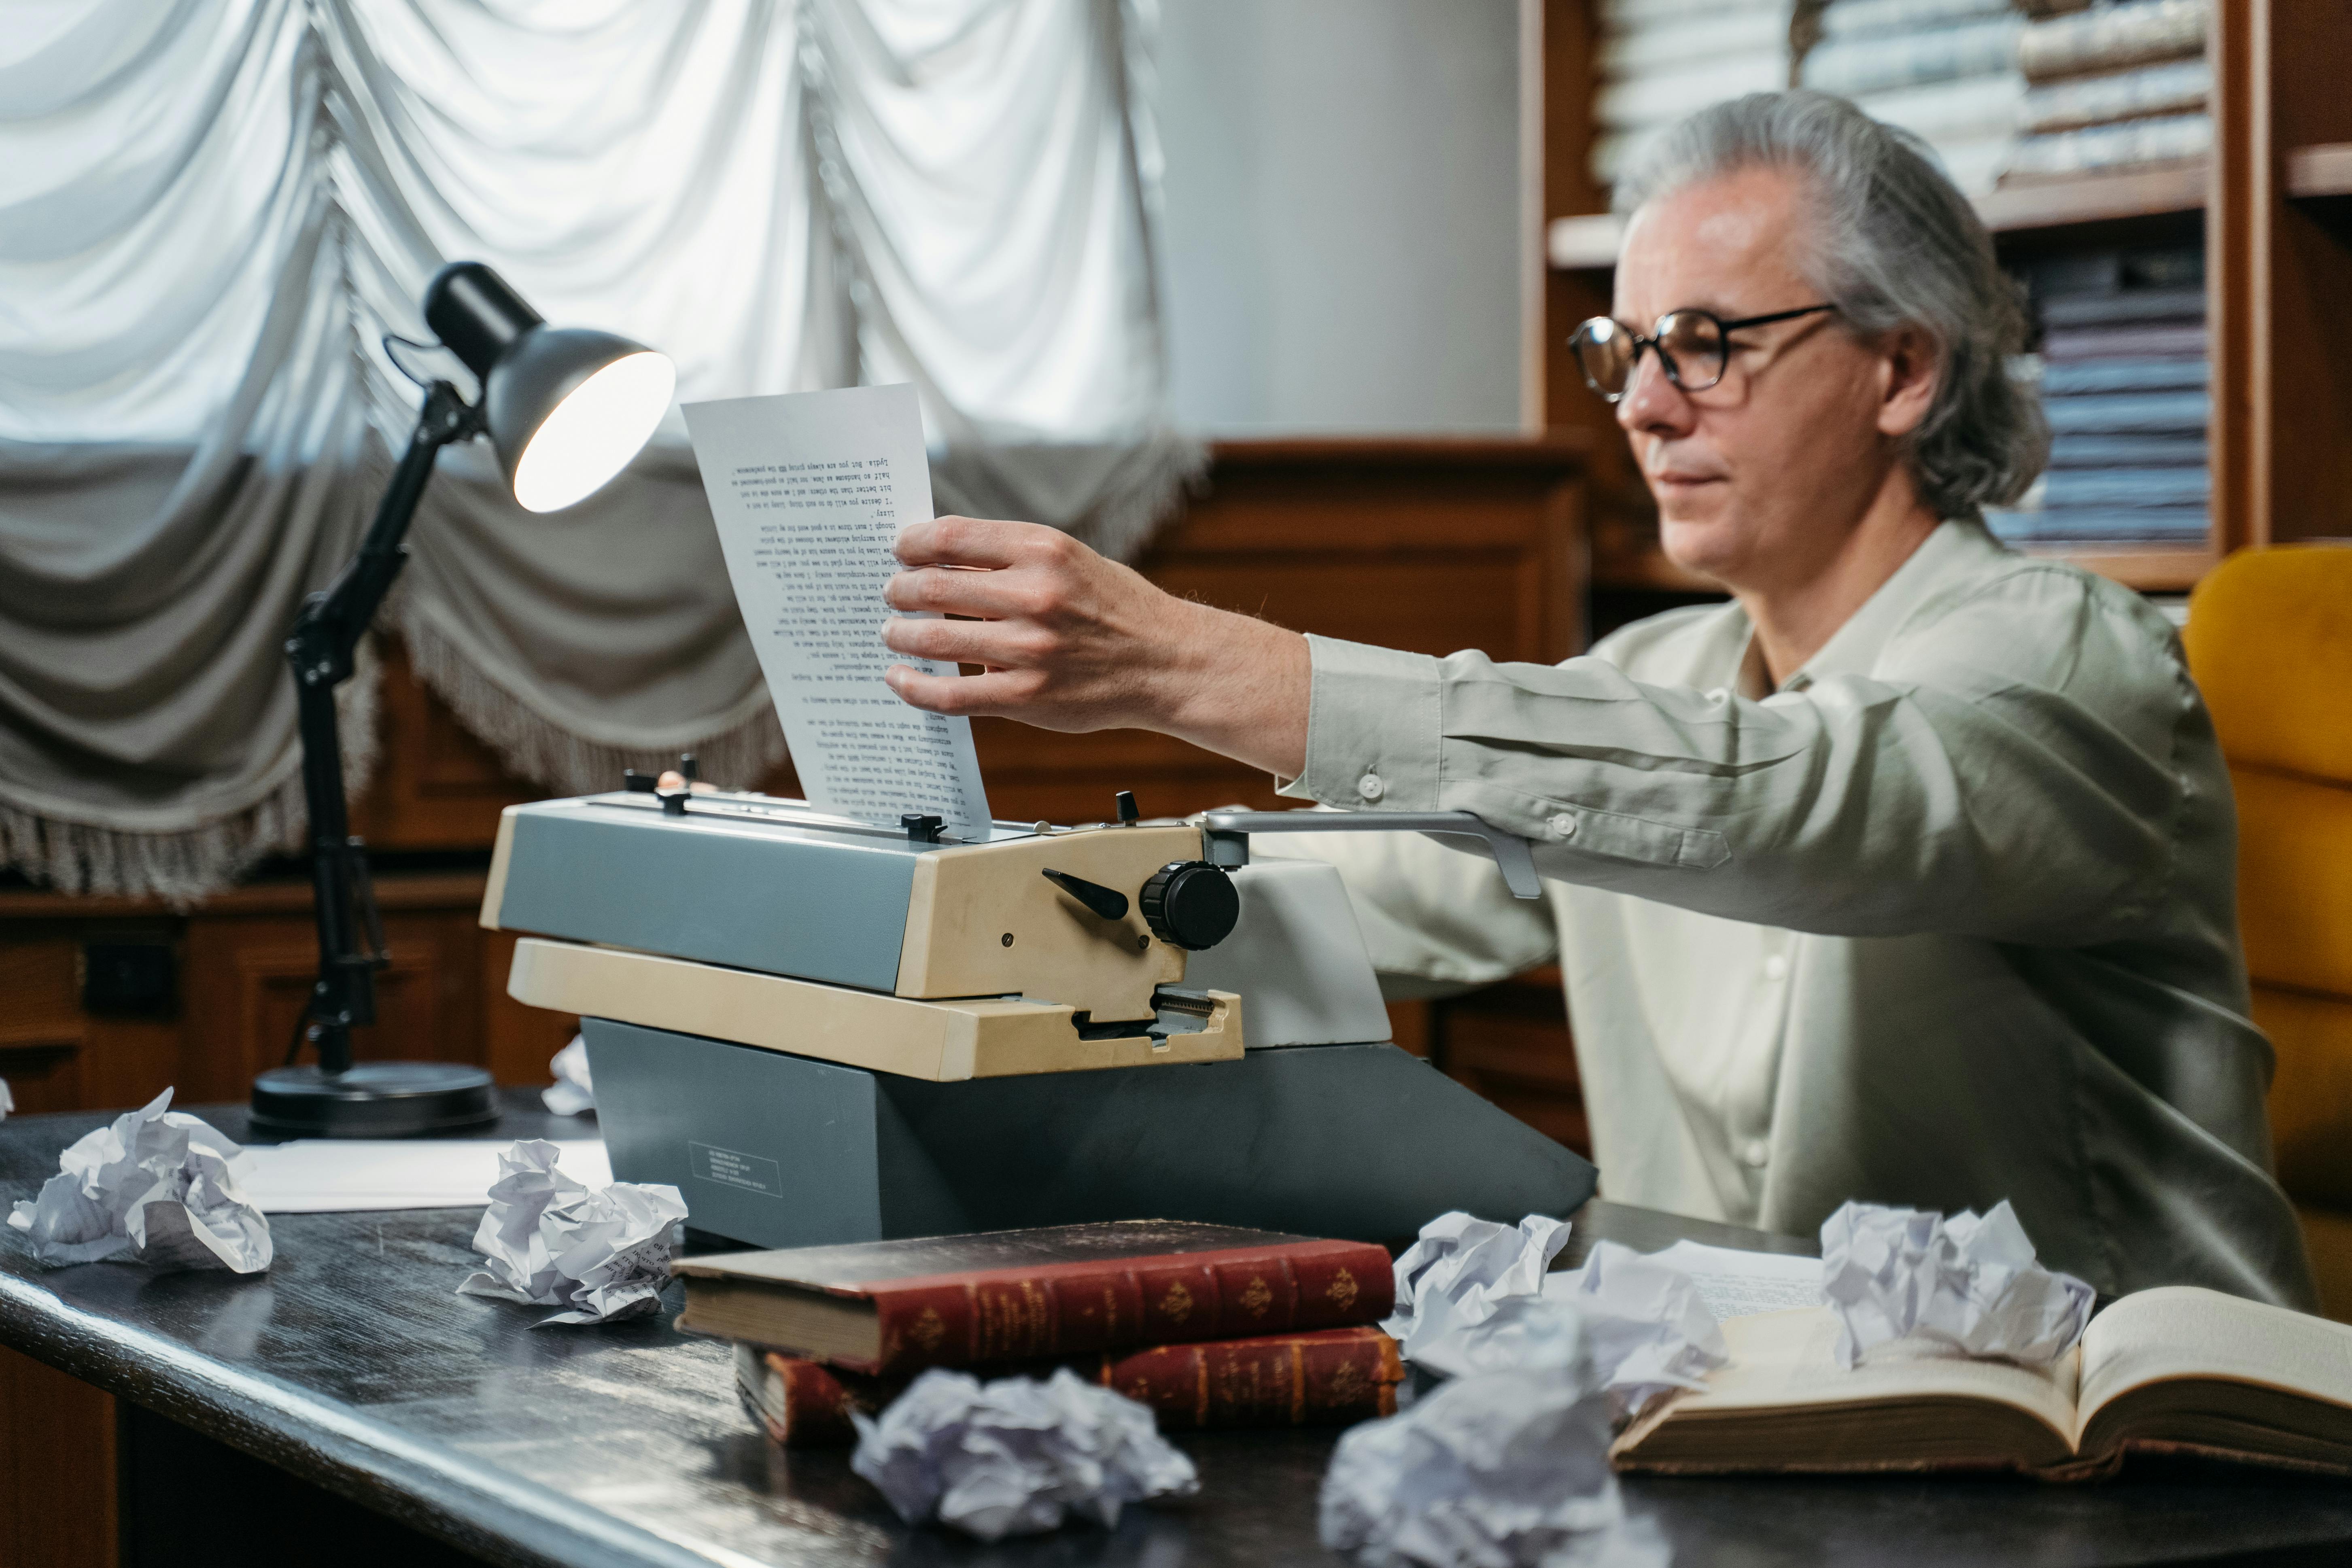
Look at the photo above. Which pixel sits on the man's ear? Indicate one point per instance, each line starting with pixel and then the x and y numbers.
pixel 1909 370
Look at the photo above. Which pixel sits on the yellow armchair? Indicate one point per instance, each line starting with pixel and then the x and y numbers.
pixel 2269 641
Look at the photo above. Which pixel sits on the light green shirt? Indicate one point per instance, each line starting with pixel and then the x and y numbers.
pixel 1948 919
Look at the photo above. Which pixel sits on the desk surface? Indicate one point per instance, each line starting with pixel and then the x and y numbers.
pixel 354 1364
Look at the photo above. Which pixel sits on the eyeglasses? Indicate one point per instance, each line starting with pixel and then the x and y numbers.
pixel 1693 345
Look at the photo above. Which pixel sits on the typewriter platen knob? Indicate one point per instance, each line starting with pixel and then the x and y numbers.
pixel 1191 904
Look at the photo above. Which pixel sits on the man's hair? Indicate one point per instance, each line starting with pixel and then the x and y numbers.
pixel 1892 242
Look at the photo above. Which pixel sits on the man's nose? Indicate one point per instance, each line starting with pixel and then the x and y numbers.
pixel 1653 402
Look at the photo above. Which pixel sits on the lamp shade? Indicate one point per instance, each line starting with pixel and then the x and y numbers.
pixel 567 407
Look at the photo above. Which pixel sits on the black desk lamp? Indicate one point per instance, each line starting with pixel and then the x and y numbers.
pixel 566 410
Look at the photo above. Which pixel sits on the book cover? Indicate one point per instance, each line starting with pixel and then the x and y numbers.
pixel 1869 65
pixel 2163 139
pixel 1654 98
pixel 2129 414
pixel 1959 109
pixel 1333 1377
pixel 2070 103
pixel 2094 489
pixel 890 1307
pixel 2120 451
pixel 2148 525
pixel 2108 38
pixel 1876 18
pixel 2137 340
pixel 2119 308
pixel 2076 377
pixel 1684 41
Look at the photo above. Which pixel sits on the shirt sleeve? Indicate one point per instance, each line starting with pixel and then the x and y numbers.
pixel 2006 770
pixel 1435 920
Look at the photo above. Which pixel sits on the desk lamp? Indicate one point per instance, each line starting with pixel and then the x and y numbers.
pixel 565 409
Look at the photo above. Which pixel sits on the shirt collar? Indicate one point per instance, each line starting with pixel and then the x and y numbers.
pixel 1954 549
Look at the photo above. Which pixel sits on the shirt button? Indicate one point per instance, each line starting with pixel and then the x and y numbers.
pixel 1774 967
pixel 1370 787
pixel 1563 825
pixel 1756 1152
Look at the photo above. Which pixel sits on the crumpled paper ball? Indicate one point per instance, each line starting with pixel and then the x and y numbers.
pixel 553 1242
pixel 7 1101
pixel 1017 1455
pixel 1965 1284
pixel 573 1092
pixel 1461 1270
pixel 1647 1328
pixel 1498 1470
pixel 155 1187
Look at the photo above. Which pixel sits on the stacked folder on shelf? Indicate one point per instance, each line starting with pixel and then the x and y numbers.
pixel 2124 379
pixel 1208 1325
pixel 2116 87
pixel 1946 70
pixel 1662 59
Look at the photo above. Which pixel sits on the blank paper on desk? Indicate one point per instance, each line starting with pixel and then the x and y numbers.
pixel 810 491
pixel 341 1175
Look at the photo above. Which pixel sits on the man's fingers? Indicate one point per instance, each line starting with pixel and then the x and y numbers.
pixel 966 541
pixel 991 595
pixel 956 695
pixel 966 642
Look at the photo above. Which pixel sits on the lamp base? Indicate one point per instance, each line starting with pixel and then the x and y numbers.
pixel 374 1100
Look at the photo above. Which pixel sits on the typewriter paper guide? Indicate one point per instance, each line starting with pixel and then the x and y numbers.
pixel 810 491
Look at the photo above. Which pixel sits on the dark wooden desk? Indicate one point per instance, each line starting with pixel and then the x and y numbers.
pixel 356 1376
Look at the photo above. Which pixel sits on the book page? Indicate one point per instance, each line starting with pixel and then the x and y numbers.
pixel 1735 1284
pixel 810 491
pixel 1781 1360
pixel 2186 1330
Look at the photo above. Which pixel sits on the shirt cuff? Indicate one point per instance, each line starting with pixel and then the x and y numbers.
pixel 1373 727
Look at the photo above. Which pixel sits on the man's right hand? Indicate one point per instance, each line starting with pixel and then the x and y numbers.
pixel 1068 641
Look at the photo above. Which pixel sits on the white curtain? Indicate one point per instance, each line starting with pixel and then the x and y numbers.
pixel 210 210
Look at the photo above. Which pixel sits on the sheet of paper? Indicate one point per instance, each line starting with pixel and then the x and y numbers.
pixel 1732 1283
pixel 339 1175
pixel 810 491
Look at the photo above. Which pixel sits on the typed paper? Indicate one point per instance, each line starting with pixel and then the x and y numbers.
pixel 810 491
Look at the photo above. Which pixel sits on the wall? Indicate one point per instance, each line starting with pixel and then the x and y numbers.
pixel 1342 214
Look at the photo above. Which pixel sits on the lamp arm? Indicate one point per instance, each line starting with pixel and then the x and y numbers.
pixel 319 648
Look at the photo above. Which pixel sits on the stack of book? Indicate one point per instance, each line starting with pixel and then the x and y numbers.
pixel 1662 59
pixel 1946 70
pixel 2118 87
pixel 2124 383
pixel 1208 1326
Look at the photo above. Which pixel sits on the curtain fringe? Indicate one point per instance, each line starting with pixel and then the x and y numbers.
pixel 535 748
pixel 1170 466
pixel 184 867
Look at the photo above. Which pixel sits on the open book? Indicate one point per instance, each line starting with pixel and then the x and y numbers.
pixel 2173 1370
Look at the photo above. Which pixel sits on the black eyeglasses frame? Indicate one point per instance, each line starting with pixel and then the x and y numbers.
pixel 1674 372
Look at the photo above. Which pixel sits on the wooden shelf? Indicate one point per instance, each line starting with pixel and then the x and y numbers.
pixel 2148 568
pixel 2319 171
pixel 2168 192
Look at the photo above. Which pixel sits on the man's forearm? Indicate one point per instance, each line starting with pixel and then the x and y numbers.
pixel 1240 688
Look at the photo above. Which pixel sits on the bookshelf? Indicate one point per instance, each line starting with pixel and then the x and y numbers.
pixel 2271 206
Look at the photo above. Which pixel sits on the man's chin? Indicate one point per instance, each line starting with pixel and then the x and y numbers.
pixel 1708 546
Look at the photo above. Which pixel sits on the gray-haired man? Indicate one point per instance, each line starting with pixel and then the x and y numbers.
pixel 1907 876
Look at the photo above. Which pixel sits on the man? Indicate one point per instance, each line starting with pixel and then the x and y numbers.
pixel 1907 876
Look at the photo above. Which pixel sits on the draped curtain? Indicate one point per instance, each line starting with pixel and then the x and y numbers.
pixel 211 210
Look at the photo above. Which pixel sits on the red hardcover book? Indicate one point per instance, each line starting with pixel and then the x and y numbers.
pixel 889 1307
pixel 1332 1377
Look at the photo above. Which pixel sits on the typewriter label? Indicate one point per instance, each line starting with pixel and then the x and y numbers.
pixel 732 1167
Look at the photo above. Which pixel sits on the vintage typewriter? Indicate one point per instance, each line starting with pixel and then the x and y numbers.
pixel 820 1029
